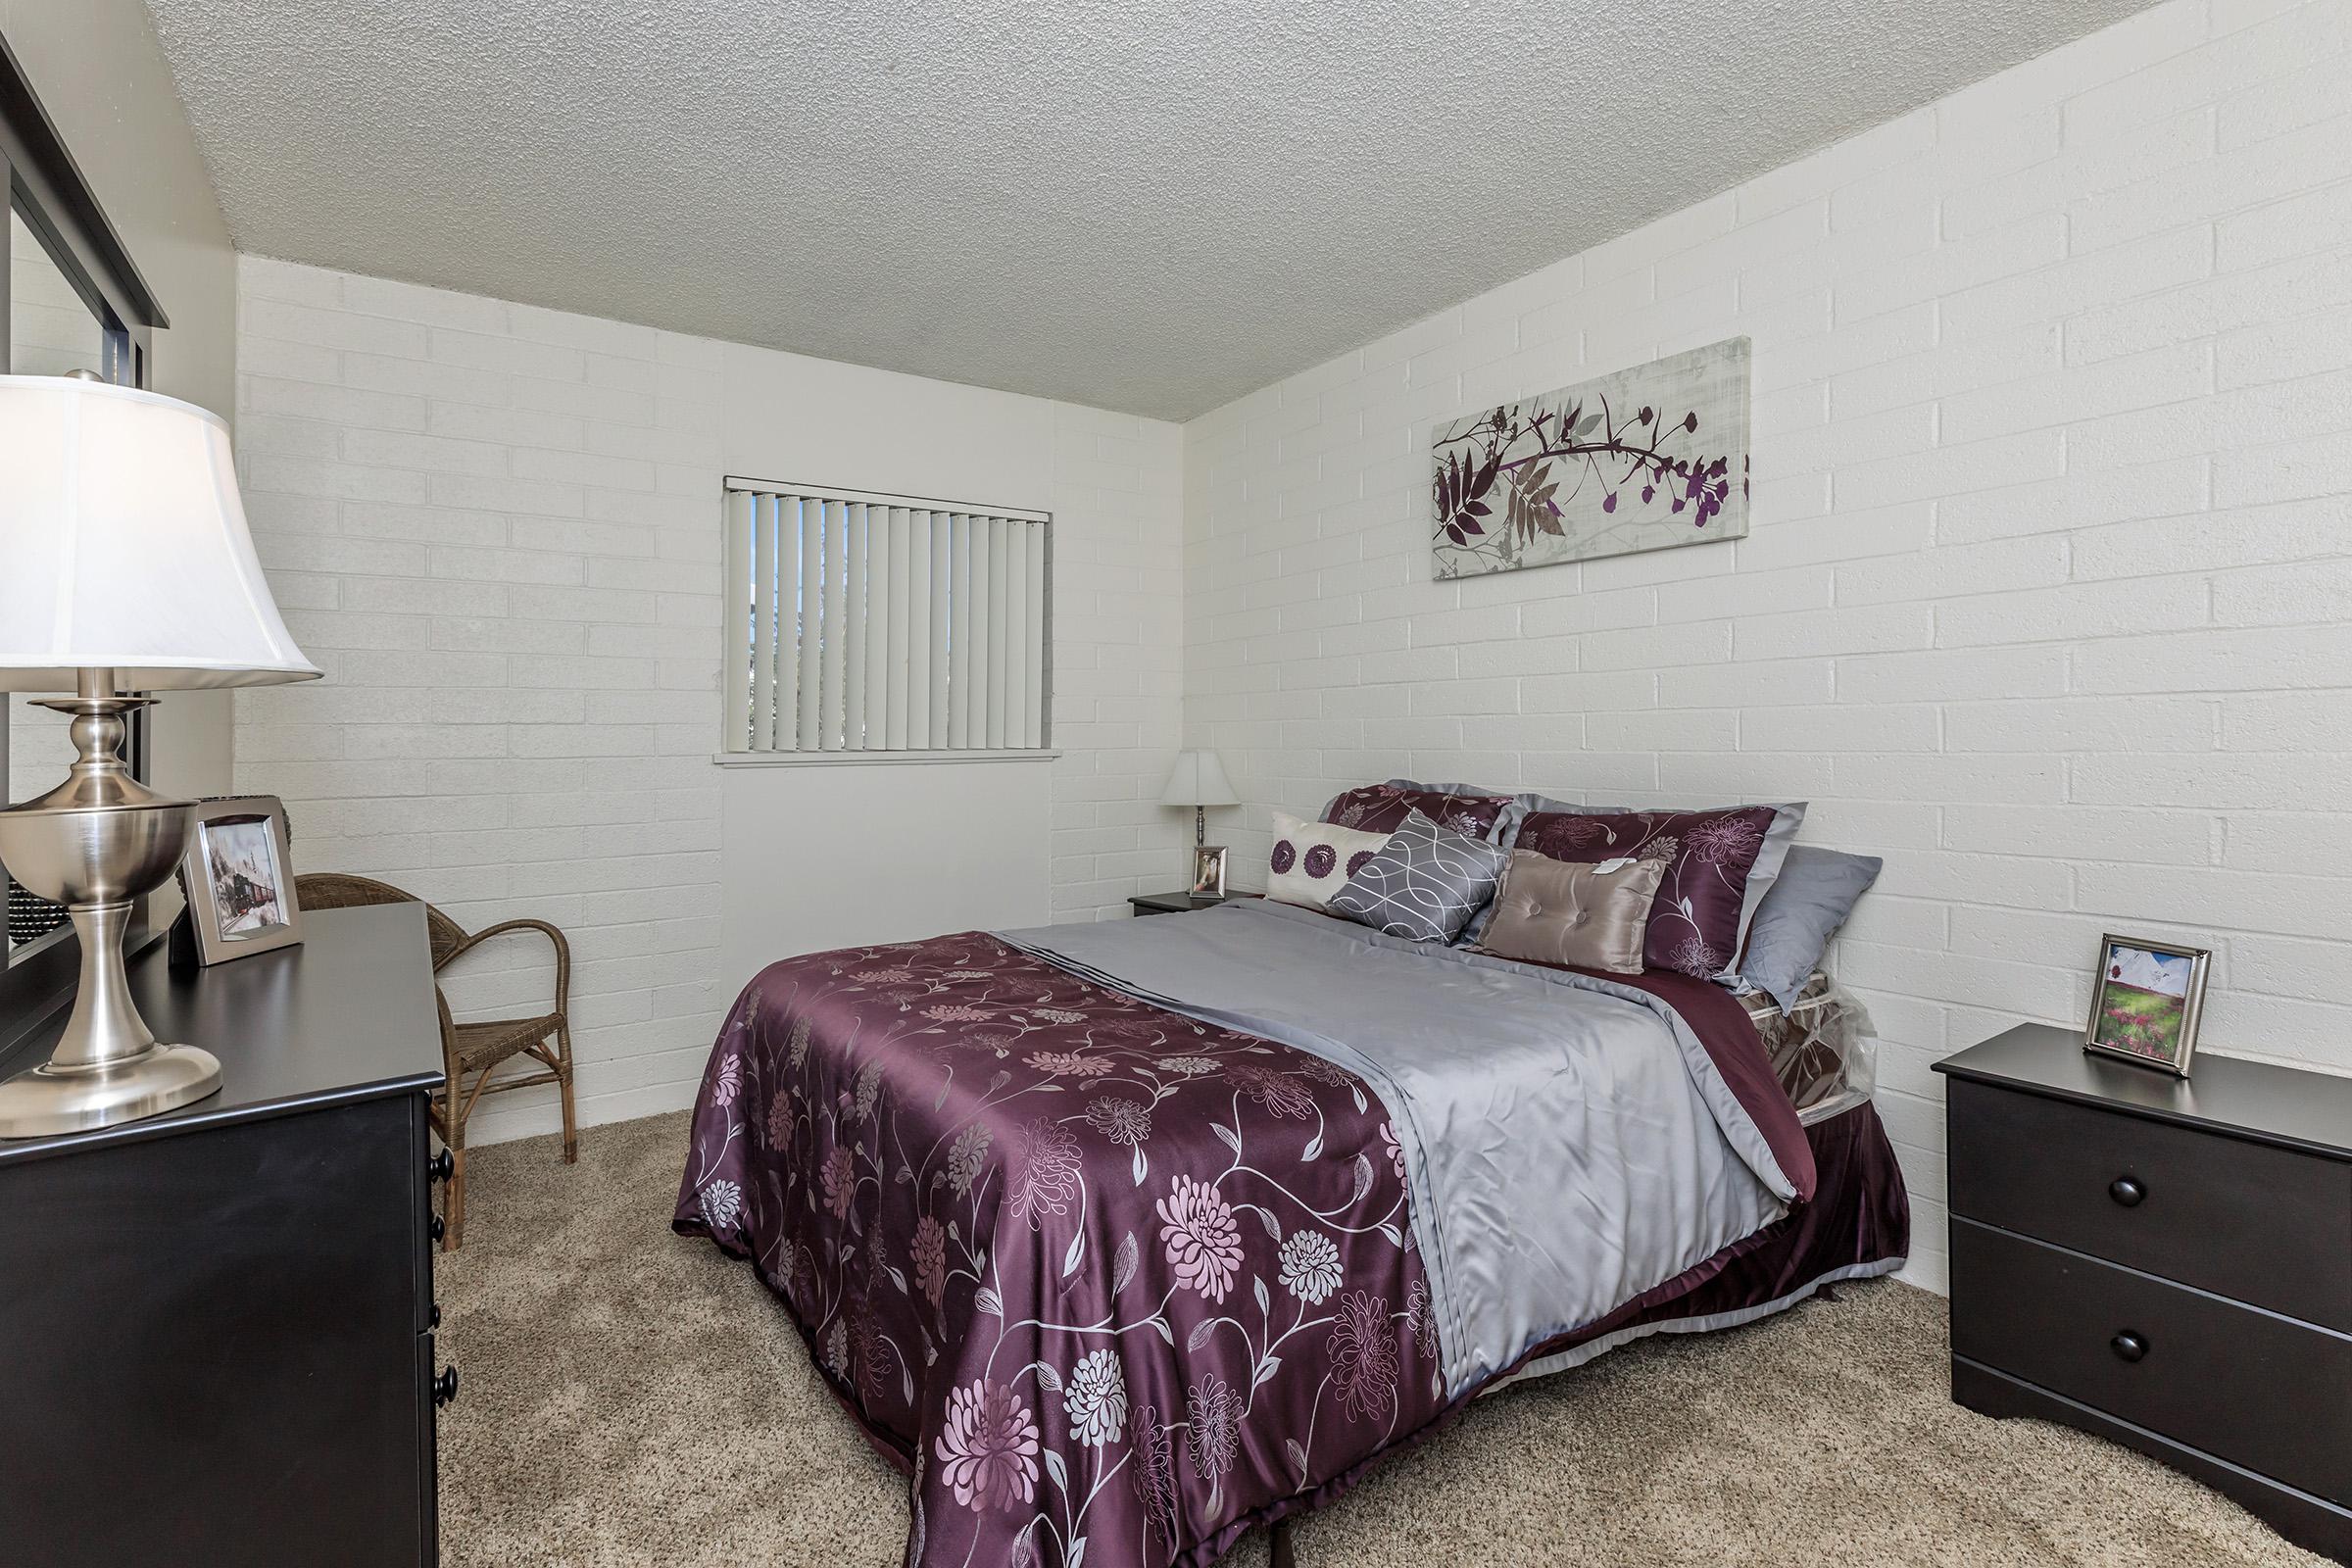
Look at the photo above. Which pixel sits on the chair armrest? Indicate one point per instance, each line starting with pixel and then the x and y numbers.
pixel 449 1042
pixel 507 928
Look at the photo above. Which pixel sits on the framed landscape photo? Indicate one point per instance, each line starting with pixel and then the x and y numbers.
pixel 2145 1002
pixel 238 875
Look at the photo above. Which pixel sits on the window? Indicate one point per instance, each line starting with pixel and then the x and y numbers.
pixel 865 623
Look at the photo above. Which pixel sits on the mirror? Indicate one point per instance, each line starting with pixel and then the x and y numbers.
pixel 50 331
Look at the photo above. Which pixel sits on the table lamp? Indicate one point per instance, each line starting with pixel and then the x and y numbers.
pixel 1197 780
pixel 125 564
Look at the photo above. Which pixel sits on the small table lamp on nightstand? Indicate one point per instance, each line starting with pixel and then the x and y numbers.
pixel 124 564
pixel 1197 780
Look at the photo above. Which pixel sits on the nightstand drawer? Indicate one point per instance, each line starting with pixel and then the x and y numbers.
pixel 2246 1220
pixel 2244 1385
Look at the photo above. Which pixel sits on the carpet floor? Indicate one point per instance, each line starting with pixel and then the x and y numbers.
pixel 630 1396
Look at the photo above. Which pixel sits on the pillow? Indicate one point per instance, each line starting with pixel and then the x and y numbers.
pixel 1816 891
pixel 1425 883
pixel 1719 865
pixel 1312 861
pixel 1591 917
pixel 1381 807
pixel 1531 801
pixel 1524 804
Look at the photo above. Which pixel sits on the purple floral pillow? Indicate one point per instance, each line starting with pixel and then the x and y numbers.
pixel 1698 918
pixel 1383 808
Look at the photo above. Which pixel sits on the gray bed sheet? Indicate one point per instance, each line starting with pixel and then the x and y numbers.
pixel 1567 1141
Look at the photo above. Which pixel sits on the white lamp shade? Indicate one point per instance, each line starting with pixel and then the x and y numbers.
pixel 123 546
pixel 1199 779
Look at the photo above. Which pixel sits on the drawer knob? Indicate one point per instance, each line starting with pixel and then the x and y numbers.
pixel 2128 1346
pixel 441 1167
pixel 436 1227
pixel 445 1386
pixel 2127 1191
pixel 433 1319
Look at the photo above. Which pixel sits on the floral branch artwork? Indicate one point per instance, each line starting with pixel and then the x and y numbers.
pixel 1641 458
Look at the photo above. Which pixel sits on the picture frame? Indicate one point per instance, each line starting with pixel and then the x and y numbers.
pixel 2147 1002
pixel 1208 871
pixel 237 875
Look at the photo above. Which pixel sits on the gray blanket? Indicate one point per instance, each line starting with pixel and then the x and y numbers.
pixel 1568 1141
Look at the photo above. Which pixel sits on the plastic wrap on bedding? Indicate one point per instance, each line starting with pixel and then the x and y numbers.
pixel 1822 1050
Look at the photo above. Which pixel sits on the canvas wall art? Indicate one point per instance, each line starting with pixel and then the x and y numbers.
pixel 1641 459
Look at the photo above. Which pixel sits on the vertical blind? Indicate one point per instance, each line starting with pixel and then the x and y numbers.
pixel 861 622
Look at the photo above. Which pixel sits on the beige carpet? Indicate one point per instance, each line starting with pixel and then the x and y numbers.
pixel 632 1397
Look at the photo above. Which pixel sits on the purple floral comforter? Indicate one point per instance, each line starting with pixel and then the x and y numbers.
pixel 1108 1281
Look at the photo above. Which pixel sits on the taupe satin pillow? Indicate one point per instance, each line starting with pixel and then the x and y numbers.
pixel 1574 911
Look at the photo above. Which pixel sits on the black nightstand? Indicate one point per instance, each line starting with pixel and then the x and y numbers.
pixel 2163 1262
pixel 1173 903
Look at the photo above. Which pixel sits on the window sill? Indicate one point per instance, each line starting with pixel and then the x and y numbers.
pixel 875 758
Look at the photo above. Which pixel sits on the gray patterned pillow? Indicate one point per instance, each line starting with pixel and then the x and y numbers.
pixel 1425 883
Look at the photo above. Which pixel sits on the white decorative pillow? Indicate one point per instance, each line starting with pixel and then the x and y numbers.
pixel 1312 861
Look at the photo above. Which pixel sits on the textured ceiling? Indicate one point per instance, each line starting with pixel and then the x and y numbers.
pixel 1146 205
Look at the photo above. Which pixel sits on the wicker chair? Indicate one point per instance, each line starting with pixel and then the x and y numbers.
pixel 471 1051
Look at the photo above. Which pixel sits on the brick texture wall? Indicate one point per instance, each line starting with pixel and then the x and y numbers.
pixel 497 530
pixel 2046 595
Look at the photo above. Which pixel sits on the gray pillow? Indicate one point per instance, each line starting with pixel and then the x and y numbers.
pixel 1424 884
pixel 1816 891
pixel 1505 829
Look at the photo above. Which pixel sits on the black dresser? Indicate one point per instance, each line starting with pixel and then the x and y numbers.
pixel 218 1322
pixel 1175 903
pixel 2166 1263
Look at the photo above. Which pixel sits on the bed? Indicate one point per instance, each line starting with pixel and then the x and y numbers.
pixel 1119 1239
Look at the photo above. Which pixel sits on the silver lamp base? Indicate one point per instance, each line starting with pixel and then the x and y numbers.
pixel 95 843
pixel 52 1099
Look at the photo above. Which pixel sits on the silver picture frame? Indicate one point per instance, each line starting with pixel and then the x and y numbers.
pixel 237 875
pixel 2121 1026
pixel 1208 871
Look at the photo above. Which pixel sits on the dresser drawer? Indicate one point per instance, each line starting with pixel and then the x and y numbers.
pixel 2245 1220
pixel 2244 1385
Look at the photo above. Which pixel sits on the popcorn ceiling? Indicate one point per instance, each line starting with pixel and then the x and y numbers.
pixel 1137 205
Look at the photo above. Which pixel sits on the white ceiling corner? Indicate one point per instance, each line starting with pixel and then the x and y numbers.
pixel 1143 205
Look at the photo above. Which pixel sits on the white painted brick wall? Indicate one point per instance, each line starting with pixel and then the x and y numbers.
pixel 2046 595
pixel 497 530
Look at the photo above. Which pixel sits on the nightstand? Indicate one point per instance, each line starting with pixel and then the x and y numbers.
pixel 2165 1262
pixel 1173 903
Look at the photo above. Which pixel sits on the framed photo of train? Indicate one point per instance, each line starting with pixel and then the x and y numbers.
pixel 237 874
